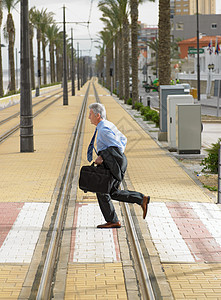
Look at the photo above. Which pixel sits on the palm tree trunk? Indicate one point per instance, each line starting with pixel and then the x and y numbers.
pixel 39 55
pixel 116 62
pixel 121 79
pixel 134 45
pixel 164 42
pixel 126 60
pixel 44 62
pixel 12 64
pixel 31 56
pixel 108 63
pixel 53 64
pixel 1 75
pixel 57 64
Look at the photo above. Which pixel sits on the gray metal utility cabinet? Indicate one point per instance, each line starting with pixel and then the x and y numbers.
pixel 188 128
pixel 166 90
pixel 172 101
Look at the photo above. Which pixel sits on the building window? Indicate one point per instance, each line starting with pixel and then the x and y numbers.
pixel 186 9
pixel 179 26
pixel 178 10
pixel 213 25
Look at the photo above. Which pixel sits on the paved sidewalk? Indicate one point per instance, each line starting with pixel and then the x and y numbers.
pixel 183 221
pixel 27 183
pixel 181 231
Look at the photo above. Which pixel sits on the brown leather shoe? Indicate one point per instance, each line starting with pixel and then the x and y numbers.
pixel 146 200
pixel 110 225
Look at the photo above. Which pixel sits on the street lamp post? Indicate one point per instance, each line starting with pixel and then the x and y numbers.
pixel 72 65
pixel 65 85
pixel 1 77
pixel 26 118
pixel 198 55
pixel 78 67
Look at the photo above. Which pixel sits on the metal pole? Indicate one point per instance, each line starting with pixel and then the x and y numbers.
pixel 65 85
pixel 81 67
pixel 219 175
pixel 218 95
pixel 78 68
pixel 72 65
pixel 83 71
pixel 198 55
pixel 16 68
pixel 26 117
pixel 156 57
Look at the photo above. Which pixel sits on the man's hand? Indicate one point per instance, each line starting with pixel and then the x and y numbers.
pixel 99 160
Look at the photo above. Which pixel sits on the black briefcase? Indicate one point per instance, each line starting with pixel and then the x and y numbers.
pixel 95 179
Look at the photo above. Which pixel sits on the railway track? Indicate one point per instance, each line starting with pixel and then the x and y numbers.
pixel 43 283
pixel 12 130
pixel 146 285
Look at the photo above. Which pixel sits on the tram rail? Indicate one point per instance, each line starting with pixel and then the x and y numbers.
pixel 9 132
pixel 146 286
pixel 44 289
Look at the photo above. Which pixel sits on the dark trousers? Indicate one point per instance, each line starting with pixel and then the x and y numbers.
pixel 106 205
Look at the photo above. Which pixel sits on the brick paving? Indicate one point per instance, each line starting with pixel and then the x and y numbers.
pixel 183 222
pixel 27 183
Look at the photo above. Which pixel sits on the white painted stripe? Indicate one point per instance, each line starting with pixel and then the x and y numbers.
pixel 210 215
pixel 21 240
pixel 92 244
pixel 166 236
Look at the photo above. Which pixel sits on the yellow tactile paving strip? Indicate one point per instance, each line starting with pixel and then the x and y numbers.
pixel 152 171
pixel 11 280
pixel 95 281
pixel 194 281
pixel 31 177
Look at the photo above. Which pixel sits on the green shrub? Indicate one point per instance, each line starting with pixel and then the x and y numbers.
pixel 129 101
pixel 138 105
pixel 156 118
pixel 144 110
pixel 211 161
pixel 148 115
pixel 152 115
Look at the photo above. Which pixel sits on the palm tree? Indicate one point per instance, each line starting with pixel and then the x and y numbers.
pixel 116 12
pixel 58 54
pixel 31 36
pixel 46 20
pixel 52 35
pixel 134 45
pixel 106 36
pixel 1 76
pixel 35 19
pixel 9 31
pixel 134 49
pixel 164 42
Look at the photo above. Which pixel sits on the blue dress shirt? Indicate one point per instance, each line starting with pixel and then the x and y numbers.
pixel 109 136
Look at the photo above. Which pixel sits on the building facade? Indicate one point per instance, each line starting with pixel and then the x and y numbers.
pixel 184 27
pixel 188 7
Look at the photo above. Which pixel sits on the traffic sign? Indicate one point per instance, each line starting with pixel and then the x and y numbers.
pixel 194 51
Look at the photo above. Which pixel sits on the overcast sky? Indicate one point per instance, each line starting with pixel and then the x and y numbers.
pixel 81 11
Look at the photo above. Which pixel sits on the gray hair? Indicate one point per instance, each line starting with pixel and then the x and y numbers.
pixel 98 108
